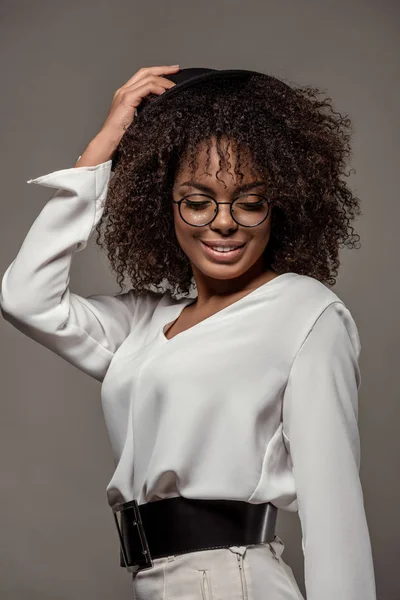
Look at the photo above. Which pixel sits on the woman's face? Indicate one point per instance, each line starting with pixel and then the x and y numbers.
pixel 209 268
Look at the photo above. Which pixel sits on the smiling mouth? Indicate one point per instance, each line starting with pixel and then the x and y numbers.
pixel 223 255
pixel 232 248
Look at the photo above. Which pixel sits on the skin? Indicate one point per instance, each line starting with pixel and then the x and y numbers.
pixel 220 284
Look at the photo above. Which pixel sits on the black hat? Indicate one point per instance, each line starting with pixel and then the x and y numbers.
pixel 185 78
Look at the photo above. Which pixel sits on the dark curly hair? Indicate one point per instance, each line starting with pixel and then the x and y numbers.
pixel 297 142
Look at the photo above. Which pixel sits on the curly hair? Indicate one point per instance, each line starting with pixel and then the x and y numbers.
pixel 295 140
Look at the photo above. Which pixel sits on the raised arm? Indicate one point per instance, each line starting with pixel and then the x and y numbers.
pixel 35 296
pixel 320 422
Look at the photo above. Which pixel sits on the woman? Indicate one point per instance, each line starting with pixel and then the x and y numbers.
pixel 229 404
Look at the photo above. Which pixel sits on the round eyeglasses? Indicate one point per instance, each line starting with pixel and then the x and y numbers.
pixel 248 210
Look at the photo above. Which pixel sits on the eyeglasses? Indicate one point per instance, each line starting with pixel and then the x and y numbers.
pixel 247 210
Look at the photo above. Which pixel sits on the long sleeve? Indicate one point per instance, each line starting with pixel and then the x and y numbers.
pixel 320 423
pixel 35 296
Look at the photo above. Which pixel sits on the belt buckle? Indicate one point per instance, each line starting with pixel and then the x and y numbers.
pixel 131 529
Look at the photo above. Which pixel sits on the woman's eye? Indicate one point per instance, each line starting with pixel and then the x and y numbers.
pixel 196 205
pixel 251 205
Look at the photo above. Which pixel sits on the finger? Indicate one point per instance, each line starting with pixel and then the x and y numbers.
pixel 145 71
pixel 135 96
pixel 162 82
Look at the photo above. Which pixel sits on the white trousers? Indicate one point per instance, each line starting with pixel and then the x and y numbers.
pixel 252 572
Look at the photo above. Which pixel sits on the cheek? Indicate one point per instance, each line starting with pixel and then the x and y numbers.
pixel 183 232
pixel 259 239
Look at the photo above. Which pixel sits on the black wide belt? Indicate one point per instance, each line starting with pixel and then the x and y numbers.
pixel 179 525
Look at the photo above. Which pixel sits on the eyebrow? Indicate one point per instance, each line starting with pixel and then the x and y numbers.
pixel 205 188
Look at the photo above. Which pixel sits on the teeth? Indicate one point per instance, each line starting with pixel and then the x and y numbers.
pixel 222 249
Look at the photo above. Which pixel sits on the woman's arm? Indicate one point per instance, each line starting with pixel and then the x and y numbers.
pixel 35 296
pixel 320 422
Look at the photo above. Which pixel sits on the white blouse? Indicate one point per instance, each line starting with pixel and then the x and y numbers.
pixel 258 402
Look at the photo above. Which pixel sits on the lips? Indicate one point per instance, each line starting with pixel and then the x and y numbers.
pixel 224 245
pixel 220 256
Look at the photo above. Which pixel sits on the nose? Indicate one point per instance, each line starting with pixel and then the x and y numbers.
pixel 224 221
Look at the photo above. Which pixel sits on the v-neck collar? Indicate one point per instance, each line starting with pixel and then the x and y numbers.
pixel 187 301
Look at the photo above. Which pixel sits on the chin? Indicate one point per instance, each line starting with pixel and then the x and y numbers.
pixel 222 271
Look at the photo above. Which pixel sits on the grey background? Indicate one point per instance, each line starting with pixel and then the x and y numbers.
pixel 61 63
